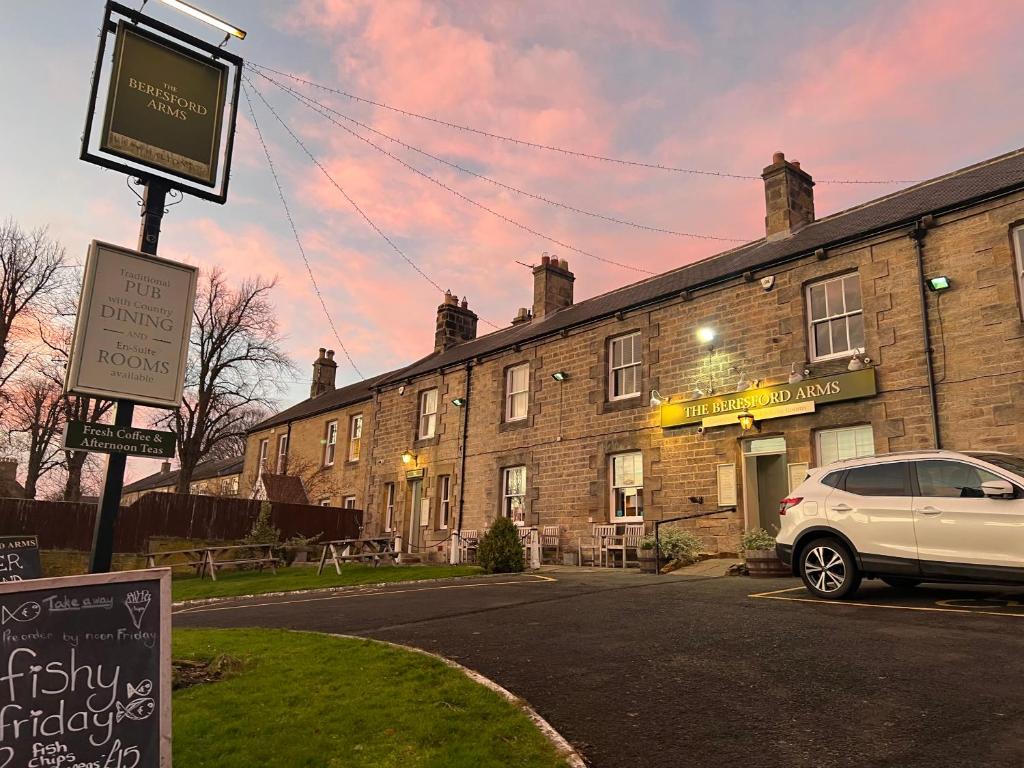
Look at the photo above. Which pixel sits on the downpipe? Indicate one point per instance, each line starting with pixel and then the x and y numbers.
pixel 918 234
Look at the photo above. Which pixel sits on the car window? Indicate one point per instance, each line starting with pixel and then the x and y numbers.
pixel 879 480
pixel 952 479
pixel 832 479
pixel 1005 461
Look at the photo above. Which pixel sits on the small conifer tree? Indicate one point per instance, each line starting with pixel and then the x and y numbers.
pixel 500 549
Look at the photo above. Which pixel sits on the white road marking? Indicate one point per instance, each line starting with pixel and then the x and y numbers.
pixel 776 595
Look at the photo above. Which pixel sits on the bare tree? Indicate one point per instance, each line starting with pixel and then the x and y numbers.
pixel 33 417
pixel 235 364
pixel 246 419
pixel 30 270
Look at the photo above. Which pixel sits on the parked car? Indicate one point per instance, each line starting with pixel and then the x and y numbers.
pixel 906 518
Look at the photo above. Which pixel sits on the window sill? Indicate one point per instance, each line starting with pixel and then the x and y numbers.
pixel 622 404
pixel 838 356
pixel 426 442
pixel 352 463
pixel 510 426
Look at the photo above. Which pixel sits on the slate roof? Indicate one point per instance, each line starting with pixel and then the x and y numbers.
pixel 990 178
pixel 204 471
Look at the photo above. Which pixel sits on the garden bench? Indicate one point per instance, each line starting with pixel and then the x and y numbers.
pixel 372 549
pixel 266 558
pixel 194 558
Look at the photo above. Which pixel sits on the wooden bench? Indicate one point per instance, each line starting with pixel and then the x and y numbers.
pixel 267 558
pixel 372 549
pixel 195 558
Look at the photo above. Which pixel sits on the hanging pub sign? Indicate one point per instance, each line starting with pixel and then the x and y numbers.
pixel 86 666
pixel 132 329
pixel 170 108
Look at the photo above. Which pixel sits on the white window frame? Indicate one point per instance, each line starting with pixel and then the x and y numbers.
pixel 325 502
pixel 444 500
pixel 830 317
pixel 614 487
pixel 427 424
pixel 348 502
pixel 229 486
pixel 261 462
pixel 636 361
pixel 861 447
pixel 514 396
pixel 389 506
pixel 355 436
pixel 1018 249
pixel 282 453
pixel 331 444
pixel 506 497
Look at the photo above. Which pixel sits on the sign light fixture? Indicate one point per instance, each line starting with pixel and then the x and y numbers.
pixel 746 419
pixel 213 21
pixel 940 283
pixel 408 457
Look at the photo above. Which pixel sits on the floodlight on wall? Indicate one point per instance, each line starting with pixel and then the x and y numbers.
pixel 458 402
pixel 940 283
pixel 706 335
pixel 209 18
pixel 559 375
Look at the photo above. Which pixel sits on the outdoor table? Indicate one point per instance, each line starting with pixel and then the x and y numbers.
pixel 368 549
pixel 265 558
pixel 196 558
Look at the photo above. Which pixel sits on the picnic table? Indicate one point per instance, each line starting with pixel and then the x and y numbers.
pixel 209 559
pixel 370 549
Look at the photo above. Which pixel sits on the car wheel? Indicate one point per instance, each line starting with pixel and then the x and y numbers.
pixel 900 583
pixel 828 569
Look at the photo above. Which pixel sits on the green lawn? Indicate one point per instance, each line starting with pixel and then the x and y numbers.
pixel 304 700
pixel 230 583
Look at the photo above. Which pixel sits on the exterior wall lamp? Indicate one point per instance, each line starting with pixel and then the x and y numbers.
pixel 706 336
pixel 458 402
pixel 559 375
pixel 408 457
pixel 747 421
pixel 940 283
pixel 657 399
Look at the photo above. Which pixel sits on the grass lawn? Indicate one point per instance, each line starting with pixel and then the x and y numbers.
pixel 231 583
pixel 312 701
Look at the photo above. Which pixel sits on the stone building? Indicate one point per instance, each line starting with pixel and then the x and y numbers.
pixel 897 324
pixel 216 477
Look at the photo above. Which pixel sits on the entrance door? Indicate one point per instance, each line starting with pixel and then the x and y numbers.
pixel 415 499
pixel 765 481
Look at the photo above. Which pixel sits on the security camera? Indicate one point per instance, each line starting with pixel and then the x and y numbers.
pixel 768 282
pixel 700 430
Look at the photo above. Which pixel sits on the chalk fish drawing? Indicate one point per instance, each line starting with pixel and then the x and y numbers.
pixel 142 689
pixel 25 612
pixel 138 709
pixel 137 602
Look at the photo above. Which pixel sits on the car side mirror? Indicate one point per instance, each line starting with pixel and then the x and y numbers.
pixel 997 489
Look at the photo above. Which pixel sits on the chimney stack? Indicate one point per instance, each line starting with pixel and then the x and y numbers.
pixel 788 196
pixel 8 469
pixel 324 371
pixel 523 315
pixel 165 468
pixel 552 286
pixel 456 323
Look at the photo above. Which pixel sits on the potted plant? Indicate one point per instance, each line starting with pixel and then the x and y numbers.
pixel 759 553
pixel 647 555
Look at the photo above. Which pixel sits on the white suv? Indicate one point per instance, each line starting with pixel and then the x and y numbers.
pixel 906 518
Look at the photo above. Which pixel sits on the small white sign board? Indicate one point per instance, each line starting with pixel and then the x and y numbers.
pixel 133 325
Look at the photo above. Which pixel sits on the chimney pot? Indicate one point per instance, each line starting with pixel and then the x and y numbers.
pixel 545 260
pixel 323 351
pixel 778 157
pixel 330 354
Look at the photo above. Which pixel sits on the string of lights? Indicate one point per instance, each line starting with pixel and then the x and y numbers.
pixel 551 148
pixel 348 197
pixel 295 233
pixel 471 201
pixel 495 182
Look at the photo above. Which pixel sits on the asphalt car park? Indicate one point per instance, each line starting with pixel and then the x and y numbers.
pixel 677 671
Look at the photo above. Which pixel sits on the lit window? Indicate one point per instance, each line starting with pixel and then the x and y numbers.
pixel 845 443
pixel 332 443
pixel 836 317
pixel 349 502
pixel 444 501
pixel 428 414
pixel 282 453
pixel 1018 247
pixel 355 436
pixel 513 494
pixel 389 506
pixel 229 486
pixel 624 367
pixel 517 392
pixel 627 470
pixel 264 450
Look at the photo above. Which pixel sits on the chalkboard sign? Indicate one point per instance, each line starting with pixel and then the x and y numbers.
pixel 19 558
pixel 85 671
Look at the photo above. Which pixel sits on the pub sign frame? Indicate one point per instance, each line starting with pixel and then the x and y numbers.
pixel 129 21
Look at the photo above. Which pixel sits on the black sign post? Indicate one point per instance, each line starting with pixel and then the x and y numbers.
pixel 86 671
pixel 163 124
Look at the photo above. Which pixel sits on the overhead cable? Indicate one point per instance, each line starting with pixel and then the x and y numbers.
pixel 551 148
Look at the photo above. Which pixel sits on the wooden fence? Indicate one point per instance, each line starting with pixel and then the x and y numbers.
pixel 65 525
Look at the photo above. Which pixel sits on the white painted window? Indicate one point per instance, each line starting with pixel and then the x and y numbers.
pixel 282 453
pixel 513 493
pixel 229 486
pixel 624 367
pixel 444 500
pixel 1018 247
pixel 264 450
pixel 835 317
pixel 428 414
pixel 389 506
pixel 627 498
pixel 325 502
pixel 330 443
pixel 355 436
pixel 517 392
pixel 845 443
pixel 349 502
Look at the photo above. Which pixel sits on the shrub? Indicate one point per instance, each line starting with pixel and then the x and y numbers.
pixel 757 539
pixel 500 549
pixel 676 544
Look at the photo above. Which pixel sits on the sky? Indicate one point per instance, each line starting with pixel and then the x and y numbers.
pixel 857 90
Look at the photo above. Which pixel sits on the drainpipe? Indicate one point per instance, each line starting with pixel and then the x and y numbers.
pixel 465 426
pixel 918 235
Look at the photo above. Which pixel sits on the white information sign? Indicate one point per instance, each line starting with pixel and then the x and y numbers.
pixel 133 325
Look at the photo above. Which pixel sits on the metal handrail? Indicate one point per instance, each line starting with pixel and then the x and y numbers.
pixel 659 523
